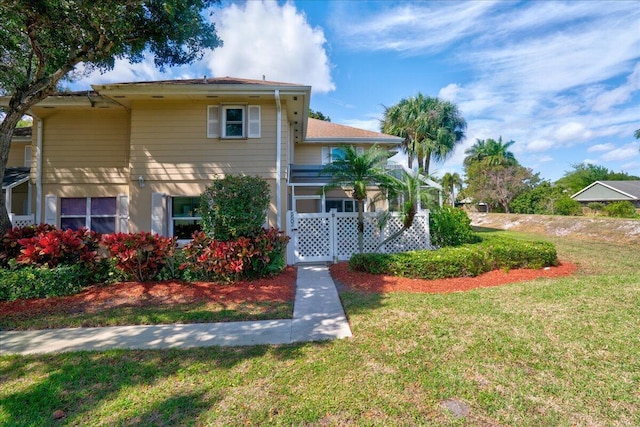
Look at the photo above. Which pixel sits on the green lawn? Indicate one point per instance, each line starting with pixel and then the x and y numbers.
pixel 197 312
pixel 548 352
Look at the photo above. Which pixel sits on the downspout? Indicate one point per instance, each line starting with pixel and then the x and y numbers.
pixel 39 173
pixel 278 161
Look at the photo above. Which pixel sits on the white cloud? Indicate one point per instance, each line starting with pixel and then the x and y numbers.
pixel 632 168
pixel 450 92
pixel 122 72
pixel 600 147
pixel 262 38
pixel 572 131
pixel 619 95
pixel 626 152
pixel 411 28
pixel 539 145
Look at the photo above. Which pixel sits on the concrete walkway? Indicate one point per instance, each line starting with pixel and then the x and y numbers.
pixel 317 315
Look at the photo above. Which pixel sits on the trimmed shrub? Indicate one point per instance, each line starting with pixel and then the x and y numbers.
pixel 59 247
pixel 257 256
pixel 234 207
pixel 450 226
pixel 42 282
pixel 140 256
pixel 623 209
pixel 463 261
pixel 506 253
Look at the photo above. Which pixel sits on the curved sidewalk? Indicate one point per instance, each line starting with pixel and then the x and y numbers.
pixel 317 315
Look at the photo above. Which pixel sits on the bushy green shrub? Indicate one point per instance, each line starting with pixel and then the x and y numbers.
pixel 42 282
pixel 450 226
pixel 565 205
pixel 245 257
pixel 506 253
pixel 596 207
pixel 462 261
pixel 234 206
pixel 623 209
pixel 374 263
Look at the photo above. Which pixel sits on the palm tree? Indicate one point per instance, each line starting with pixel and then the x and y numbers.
pixel 358 172
pixel 431 127
pixel 491 153
pixel 451 181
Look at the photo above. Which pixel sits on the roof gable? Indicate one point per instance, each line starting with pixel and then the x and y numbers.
pixel 327 132
pixel 609 191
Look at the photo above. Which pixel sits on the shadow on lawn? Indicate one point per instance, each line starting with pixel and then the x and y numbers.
pixel 123 387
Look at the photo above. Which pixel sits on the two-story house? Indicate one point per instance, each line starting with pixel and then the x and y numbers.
pixel 136 156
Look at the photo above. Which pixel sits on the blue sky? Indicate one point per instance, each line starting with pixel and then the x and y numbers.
pixel 561 79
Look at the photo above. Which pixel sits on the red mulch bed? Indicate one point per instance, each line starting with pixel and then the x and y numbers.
pixel 277 289
pixel 380 283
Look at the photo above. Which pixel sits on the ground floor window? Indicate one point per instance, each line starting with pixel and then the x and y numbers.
pixel 95 213
pixel 185 218
pixel 341 205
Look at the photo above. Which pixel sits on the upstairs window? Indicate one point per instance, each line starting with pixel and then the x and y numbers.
pixel 331 154
pixel 341 205
pixel 233 121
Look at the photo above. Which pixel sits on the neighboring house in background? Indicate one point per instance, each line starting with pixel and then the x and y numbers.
pixel 610 191
pixel 132 157
pixel 16 186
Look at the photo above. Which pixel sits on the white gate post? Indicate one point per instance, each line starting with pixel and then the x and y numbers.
pixel 333 239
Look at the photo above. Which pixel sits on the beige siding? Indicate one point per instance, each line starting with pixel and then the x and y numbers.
pixel 16 154
pixel 140 208
pixel 311 154
pixel 86 147
pixel 169 143
pixel 307 154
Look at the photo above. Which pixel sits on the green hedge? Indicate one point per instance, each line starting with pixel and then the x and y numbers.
pixel 462 261
pixel 42 282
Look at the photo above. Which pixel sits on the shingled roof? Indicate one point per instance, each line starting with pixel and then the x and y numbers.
pixel 323 131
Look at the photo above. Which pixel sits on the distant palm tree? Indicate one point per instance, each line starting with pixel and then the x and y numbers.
pixel 431 127
pixel 358 172
pixel 637 134
pixel 491 153
pixel 450 182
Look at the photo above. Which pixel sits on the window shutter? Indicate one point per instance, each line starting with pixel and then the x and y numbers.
pixel 123 213
pixel 360 151
pixel 213 121
pixel 51 209
pixel 158 214
pixel 253 121
pixel 325 155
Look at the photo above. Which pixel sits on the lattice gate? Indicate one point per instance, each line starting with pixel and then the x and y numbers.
pixel 333 236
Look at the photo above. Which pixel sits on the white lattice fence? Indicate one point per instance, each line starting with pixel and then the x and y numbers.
pixel 334 236
pixel 21 220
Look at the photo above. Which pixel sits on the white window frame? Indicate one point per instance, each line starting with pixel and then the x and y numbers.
pixel 217 121
pixel 344 202
pixel 327 153
pixel 88 216
pixel 173 218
